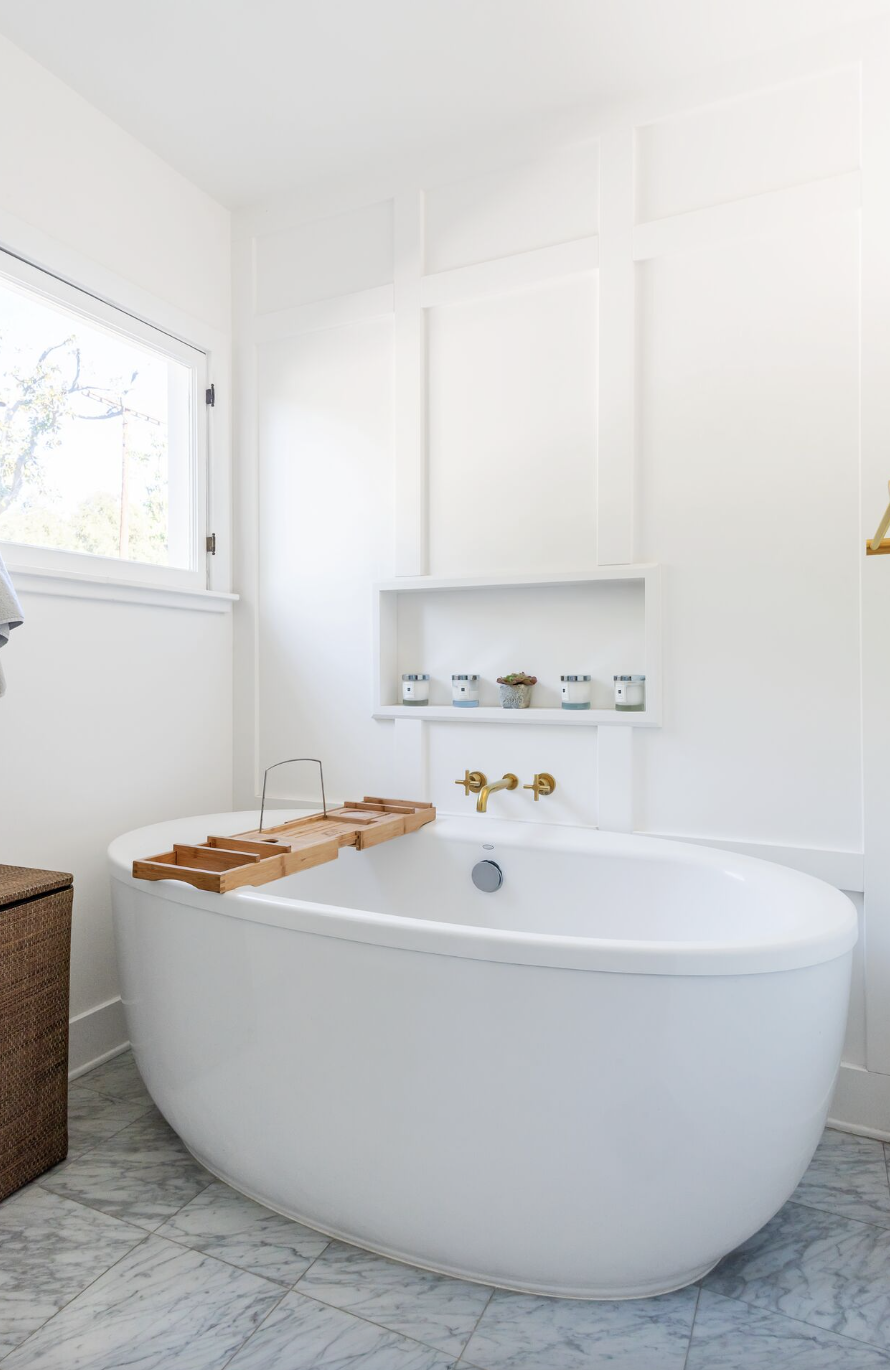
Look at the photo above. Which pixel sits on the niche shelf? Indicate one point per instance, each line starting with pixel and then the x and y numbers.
pixel 605 621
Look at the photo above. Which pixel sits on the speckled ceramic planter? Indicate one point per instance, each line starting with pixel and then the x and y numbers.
pixel 516 696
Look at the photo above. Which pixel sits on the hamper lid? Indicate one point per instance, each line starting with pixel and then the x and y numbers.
pixel 24 882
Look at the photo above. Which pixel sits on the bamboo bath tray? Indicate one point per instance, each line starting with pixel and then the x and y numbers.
pixel 253 858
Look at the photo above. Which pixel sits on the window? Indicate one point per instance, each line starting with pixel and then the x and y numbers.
pixel 102 436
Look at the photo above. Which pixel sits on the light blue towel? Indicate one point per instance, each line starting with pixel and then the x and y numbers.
pixel 10 615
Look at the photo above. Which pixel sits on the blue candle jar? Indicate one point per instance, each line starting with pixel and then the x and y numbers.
pixel 465 691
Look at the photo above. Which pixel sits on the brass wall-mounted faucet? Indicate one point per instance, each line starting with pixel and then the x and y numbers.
pixel 475 782
pixel 542 784
pixel 507 782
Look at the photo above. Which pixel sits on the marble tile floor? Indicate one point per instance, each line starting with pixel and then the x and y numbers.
pixel 130 1254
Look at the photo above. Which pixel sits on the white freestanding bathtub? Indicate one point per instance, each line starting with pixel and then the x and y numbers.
pixel 593 1082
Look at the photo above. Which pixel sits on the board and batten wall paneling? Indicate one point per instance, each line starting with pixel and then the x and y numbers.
pixel 325 475
pixel 502 213
pixel 512 431
pixel 767 140
pixel 644 349
pixel 324 258
pixel 749 476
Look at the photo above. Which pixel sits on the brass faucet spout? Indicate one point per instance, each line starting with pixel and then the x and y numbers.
pixel 507 782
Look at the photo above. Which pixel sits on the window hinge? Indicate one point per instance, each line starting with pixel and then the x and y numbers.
pixel 211 543
pixel 210 395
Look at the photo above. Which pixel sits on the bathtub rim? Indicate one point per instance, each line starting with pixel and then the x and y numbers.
pixel 261 905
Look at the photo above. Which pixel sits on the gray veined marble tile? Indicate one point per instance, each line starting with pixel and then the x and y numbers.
pixel 431 1308
pixel 51 1249
pixel 733 1336
pixel 304 1335
pixel 142 1174
pixel 227 1225
pixel 818 1267
pixel 848 1175
pixel 118 1078
pixel 159 1307
pixel 525 1332
pixel 92 1117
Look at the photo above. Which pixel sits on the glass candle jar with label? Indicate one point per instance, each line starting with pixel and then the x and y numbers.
pixel 575 691
pixel 415 689
pixel 630 693
pixel 465 691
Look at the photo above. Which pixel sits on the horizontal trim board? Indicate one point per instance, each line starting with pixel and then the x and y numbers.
pixel 778 211
pixel 519 271
pixel 337 312
pixel 70 586
pixel 845 869
pixel 573 718
pixel 407 584
pixel 495 277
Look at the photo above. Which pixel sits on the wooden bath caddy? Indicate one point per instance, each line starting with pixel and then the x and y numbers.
pixel 253 858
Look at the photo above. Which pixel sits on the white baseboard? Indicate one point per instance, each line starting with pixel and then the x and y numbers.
pixel 861 1103
pixel 95 1036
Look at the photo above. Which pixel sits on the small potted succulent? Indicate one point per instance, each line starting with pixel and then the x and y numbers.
pixel 516 690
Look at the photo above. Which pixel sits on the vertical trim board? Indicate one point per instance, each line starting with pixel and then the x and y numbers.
pixel 875 584
pixel 616 351
pixel 411 532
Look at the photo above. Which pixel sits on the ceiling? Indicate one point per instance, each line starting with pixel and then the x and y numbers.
pixel 249 100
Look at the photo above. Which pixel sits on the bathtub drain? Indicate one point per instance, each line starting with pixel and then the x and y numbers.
pixel 487 876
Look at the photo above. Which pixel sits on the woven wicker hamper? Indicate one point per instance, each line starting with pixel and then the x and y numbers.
pixel 35 947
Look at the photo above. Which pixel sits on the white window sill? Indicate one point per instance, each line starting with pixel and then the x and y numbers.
pixel 71 585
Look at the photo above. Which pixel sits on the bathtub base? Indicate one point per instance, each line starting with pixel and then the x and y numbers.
pixel 648 1291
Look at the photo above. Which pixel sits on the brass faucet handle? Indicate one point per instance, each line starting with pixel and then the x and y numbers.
pixel 472 782
pixel 542 784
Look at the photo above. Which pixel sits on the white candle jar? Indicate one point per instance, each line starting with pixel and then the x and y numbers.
pixel 465 691
pixel 415 689
pixel 575 691
pixel 630 693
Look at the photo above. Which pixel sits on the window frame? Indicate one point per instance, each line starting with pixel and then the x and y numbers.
pixel 25 557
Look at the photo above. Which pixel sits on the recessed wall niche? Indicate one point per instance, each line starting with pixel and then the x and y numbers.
pixel 603 623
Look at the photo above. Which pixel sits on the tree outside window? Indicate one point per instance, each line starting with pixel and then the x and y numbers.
pixel 85 437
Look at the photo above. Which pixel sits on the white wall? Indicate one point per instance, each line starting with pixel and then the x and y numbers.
pixel 70 171
pixel 665 344
pixel 117 714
